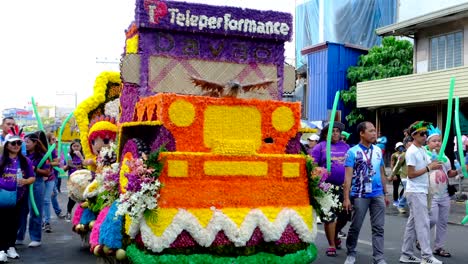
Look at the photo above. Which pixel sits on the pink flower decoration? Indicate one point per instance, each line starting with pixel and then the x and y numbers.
pixel 94 237
pixel 77 216
pixel 289 236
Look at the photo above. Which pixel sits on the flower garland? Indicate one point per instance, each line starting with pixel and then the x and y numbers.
pixel 94 237
pixel 321 195
pixel 239 230
pixel 142 189
pixel 91 103
pixel 303 256
pixel 111 229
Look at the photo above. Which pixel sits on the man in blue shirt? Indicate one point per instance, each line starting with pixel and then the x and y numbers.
pixel 365 189
pixel 7 123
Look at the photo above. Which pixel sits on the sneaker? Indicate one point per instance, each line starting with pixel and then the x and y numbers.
pixel 402 210
pixel 61 215
pixel 68 217
pixel 34 244
pixel 382 261
pixel 319 221
pixel 409 259
pixel 341 234
pixel 350 260
pixel 47 228
pixel 431 260
pixel 19 242
pixel 3 257
pixel 395 203
pixel 11 253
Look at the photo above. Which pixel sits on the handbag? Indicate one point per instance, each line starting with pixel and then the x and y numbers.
pixel 7 198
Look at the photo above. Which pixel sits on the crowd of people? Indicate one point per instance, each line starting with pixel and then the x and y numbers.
pixel 20 167
pixel 358 177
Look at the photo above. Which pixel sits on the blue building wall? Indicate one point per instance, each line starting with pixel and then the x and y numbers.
pixel 327 69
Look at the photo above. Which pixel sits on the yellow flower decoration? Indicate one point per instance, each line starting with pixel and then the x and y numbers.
pixel 91 103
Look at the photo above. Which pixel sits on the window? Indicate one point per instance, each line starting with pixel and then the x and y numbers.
pixel 446 51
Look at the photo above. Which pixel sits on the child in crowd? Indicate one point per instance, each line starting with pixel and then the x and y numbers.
pixel 73 164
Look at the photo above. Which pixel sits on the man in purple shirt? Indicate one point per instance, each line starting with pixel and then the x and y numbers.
pixel 338 218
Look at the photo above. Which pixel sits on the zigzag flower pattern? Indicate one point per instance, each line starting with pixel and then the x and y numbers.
pixel 272 231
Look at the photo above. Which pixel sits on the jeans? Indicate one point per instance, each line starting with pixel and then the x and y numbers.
pixel 35 221
pixel 376 207
pixel 402 200
pixel 55 203
pixel 50 197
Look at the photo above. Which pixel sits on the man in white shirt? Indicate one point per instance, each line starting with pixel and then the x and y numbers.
pixel 417 227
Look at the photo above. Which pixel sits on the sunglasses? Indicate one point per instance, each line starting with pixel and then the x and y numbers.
pixel 423 133
pixel 16 143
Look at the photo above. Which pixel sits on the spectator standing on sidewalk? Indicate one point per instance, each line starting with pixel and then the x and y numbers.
pixel 338 219
pixel 365 189
pixel 382 142
pixel 440 205
pixel 417 227
pixel 401 167
pixel 16 173
pixel 395 177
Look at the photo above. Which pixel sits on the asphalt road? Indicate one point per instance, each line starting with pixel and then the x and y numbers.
pixel 64 246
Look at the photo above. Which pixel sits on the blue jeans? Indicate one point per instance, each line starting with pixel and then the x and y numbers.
pixel 55 203
pixel 35 221
pixel 50 199
pixel 402 200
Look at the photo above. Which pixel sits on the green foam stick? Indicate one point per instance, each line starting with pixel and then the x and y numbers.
pixel 38 118
pixel 31 199
pixel 465 219
pixel 459 136
pixel 330 129
pixel 449 119
pixel 49 151
pixel 62 128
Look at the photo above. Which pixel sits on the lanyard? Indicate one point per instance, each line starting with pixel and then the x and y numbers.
pixel 364 150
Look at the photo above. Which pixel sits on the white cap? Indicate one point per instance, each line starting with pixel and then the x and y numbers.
pixel 399 144
pixel 314 137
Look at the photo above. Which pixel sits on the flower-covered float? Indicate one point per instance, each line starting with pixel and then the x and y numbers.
pixel 207 165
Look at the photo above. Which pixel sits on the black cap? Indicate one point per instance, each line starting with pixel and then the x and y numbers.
pixel 336 124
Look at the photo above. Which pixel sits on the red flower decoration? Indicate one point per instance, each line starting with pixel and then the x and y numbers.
pixel 156 10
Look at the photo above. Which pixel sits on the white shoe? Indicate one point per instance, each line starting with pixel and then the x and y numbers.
pixel 410 259
pixel 319 221
pixel 3 257
pixel 431 260
pixel 34 244
pixel 350 260
pixel 11 253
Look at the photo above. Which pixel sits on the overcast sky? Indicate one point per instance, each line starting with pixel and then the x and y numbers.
pixel 52 46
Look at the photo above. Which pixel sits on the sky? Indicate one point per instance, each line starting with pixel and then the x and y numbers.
pixel 52 47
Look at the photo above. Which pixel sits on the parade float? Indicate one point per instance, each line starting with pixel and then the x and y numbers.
pixel 196 159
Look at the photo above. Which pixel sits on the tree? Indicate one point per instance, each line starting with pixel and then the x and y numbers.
pixel 393 58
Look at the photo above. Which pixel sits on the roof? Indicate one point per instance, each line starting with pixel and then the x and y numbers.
pixel 411 26
pixel 324 45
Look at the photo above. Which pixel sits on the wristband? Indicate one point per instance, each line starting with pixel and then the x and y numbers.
pixel 427 168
